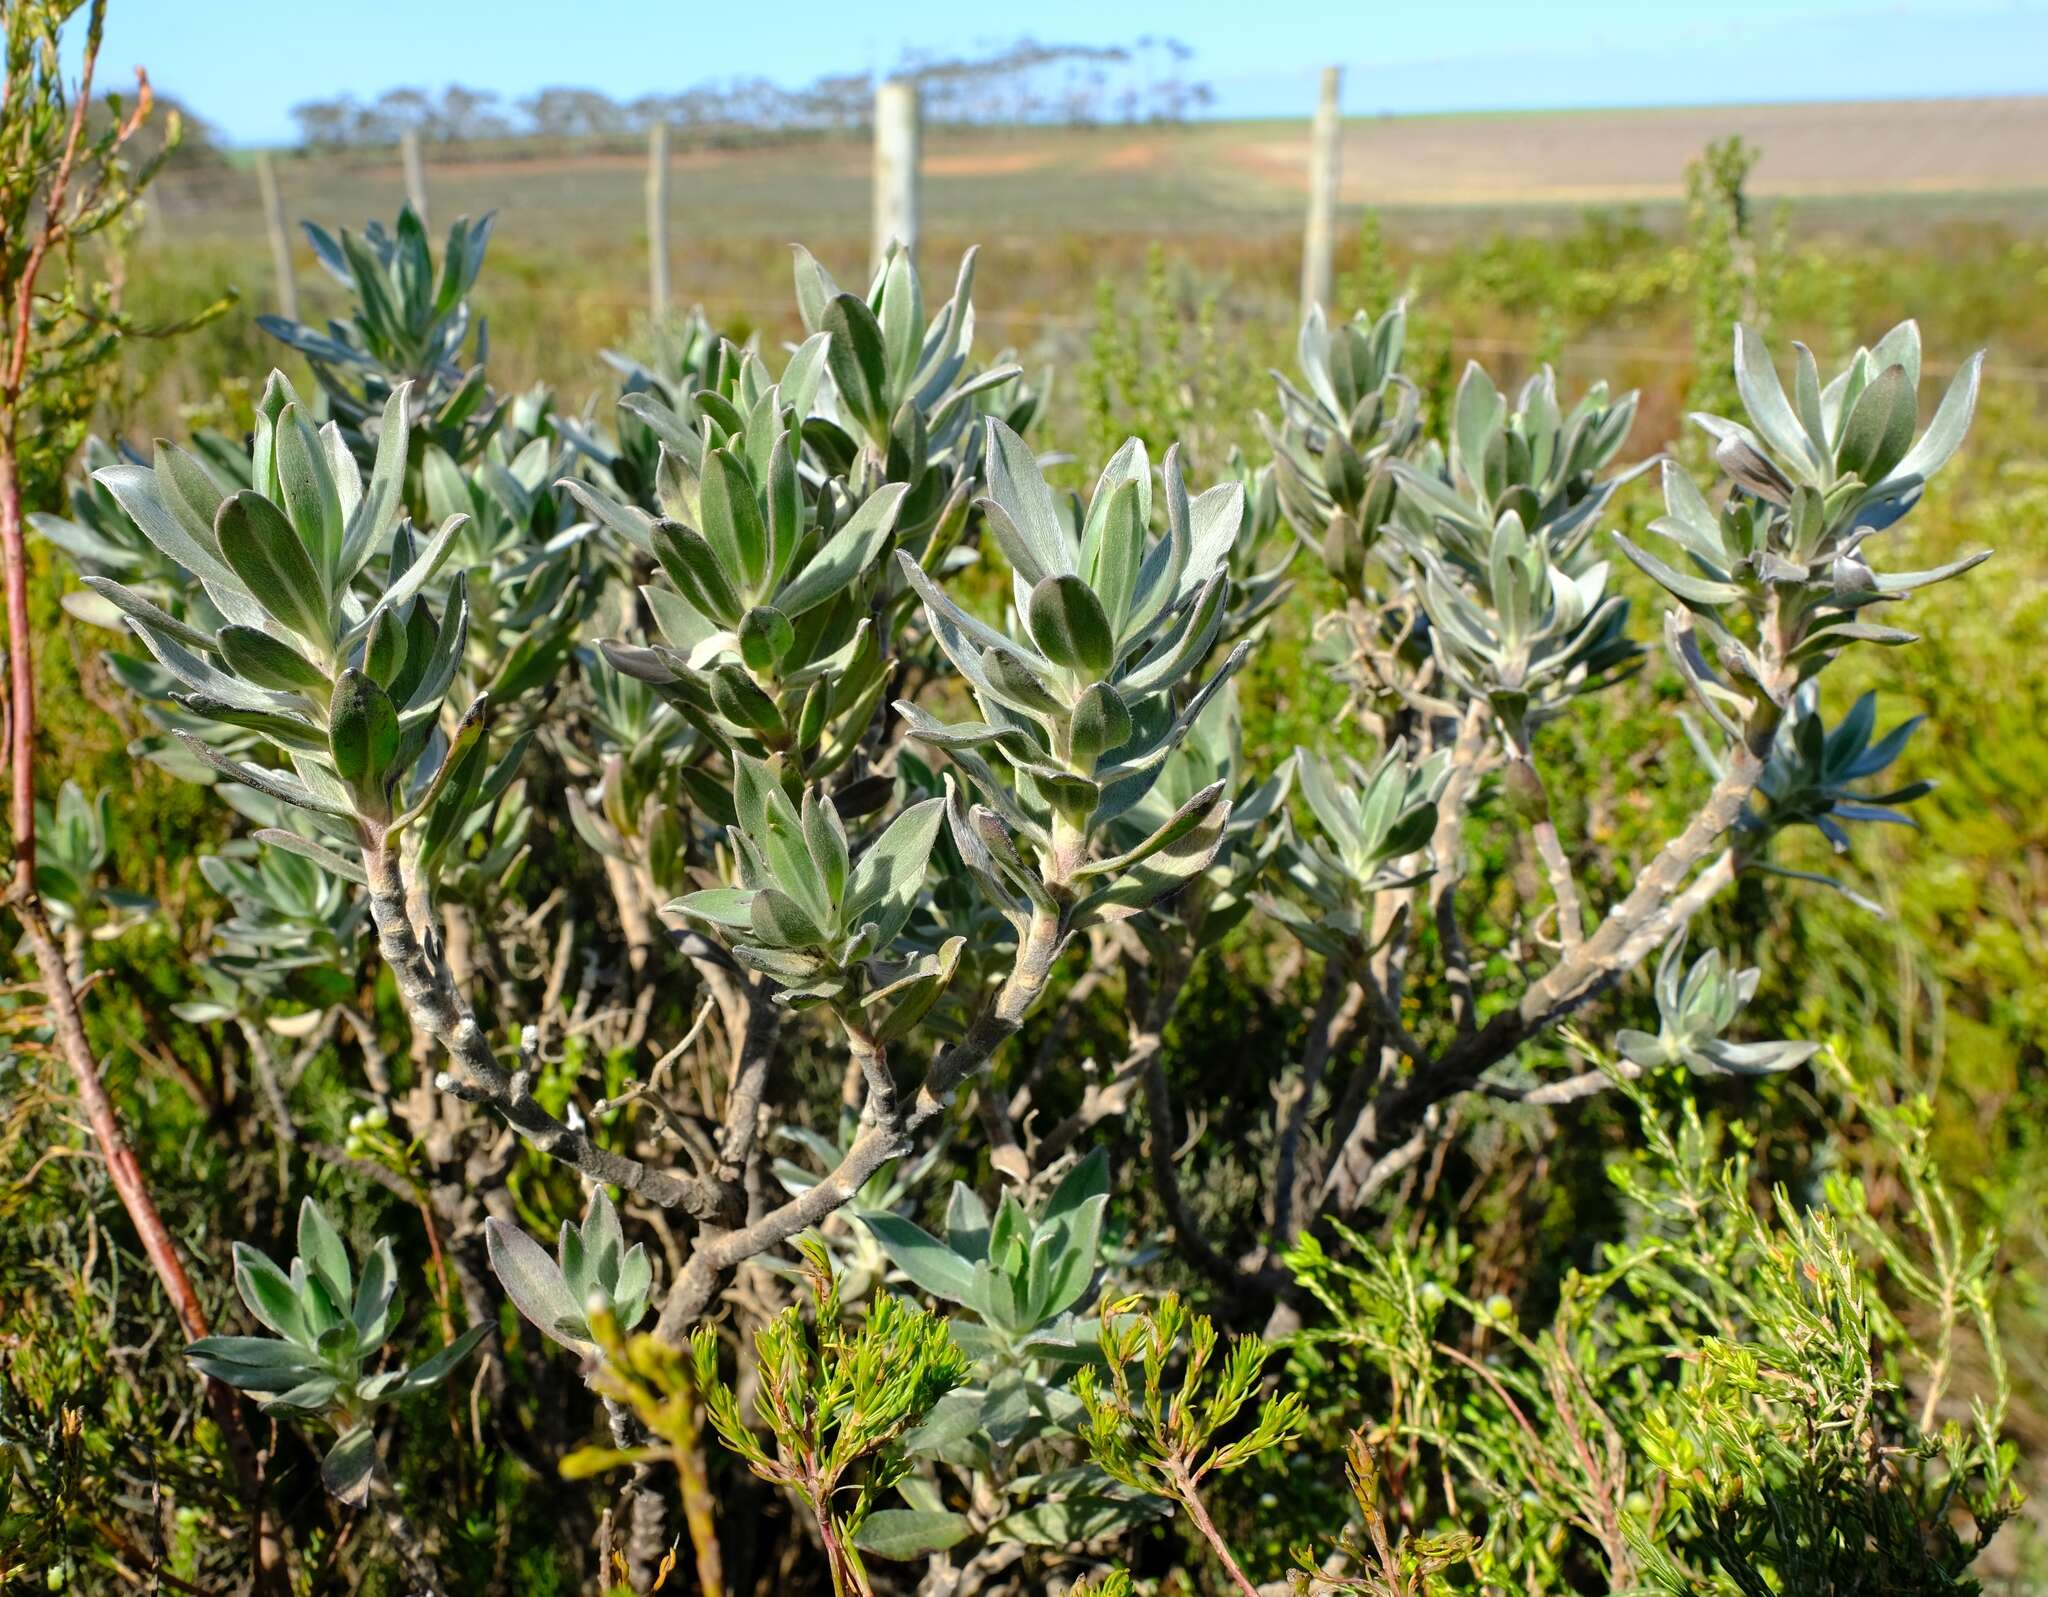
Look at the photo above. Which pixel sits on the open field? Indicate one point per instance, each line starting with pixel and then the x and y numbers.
pixel 1846 165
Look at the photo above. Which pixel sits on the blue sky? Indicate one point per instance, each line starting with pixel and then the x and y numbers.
pixel 243 65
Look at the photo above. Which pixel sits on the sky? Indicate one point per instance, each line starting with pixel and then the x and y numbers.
pixel 242 66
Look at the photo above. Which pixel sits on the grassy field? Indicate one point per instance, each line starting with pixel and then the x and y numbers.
pixel 1929 159
pixel 1886 187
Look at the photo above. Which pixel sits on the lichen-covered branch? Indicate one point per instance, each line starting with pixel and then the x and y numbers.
pixel 437 1010
pixel 880 1138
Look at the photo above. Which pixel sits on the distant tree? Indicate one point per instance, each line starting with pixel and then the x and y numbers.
pixel 567 112
pixel 325 124
pixel 472 114
pixel 1024 82
pixel 410 111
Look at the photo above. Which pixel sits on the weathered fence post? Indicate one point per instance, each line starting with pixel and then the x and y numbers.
pixel 1319 239
pixel 415 173
pixel 280 239
pixel 657 220
pixel 896 166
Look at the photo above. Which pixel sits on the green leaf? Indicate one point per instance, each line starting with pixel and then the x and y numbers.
pixel 825 837
pixel 1701 593
pixel 1071 1520
pixel 1024 684
pixel 1088 1179
pixel 269 1293
pixel 785 520
pixel 188 490
pixel 967 1223
pixel 953 1419
pixel 424 567
pixel 815 289
pixel 887 878
pixel 433 1371
pixel 310 1396
pixel 323 1251
pixel 1118 554
pixel 1017 486
pixel 276 784
pixel 1063 1256
pixel 857 361
pixel 846 556
pixel 534 1283
pixel 766 638
pixel 265 553
pixel 727 907
pixel 903 1533
pixel 1150 880
pixel 370 524
pixel 732 519
pixel 141 493
pixel 269 662
pixel 348 1466
pixel 153 617
pixel 1102 722
pixel 287 731
pixel 384 649
pixel 362 732
pixel 311 499
pixel 370 1313
pixel 254 1363
pixel 743 702
pixel 1944 435
pixel 1069 627
pixel 1763 396
pixel 694 566
pixel 777 920
pixel 754 784
pixel 923 1257
pixel 1879 428
pixel 902 321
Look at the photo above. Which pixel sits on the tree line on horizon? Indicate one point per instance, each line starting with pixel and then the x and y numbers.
pixel 1022 83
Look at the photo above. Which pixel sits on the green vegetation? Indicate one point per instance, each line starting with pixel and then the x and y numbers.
pixel 1062 1045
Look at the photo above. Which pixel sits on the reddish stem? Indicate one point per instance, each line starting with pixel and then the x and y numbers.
pixel 122 1166
pixel 1191 1500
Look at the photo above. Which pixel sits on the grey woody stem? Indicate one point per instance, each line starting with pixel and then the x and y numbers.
pixel 1188 1235
pixel 1447 848
pixel 1557 864
pixel 1335 1016
pixel 646 1506
pixel 406 1539
pixel 438 1010
pixel 1384 1140
pixel 881 1137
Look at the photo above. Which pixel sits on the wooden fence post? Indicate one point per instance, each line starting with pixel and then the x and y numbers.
pixel 280 239
pixel 415 173
pixel 1318 241
pixel 897 159
pixel 657 220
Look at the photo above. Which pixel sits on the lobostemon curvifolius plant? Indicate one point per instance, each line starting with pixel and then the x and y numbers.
pixel 874 741
pixel 328 1325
